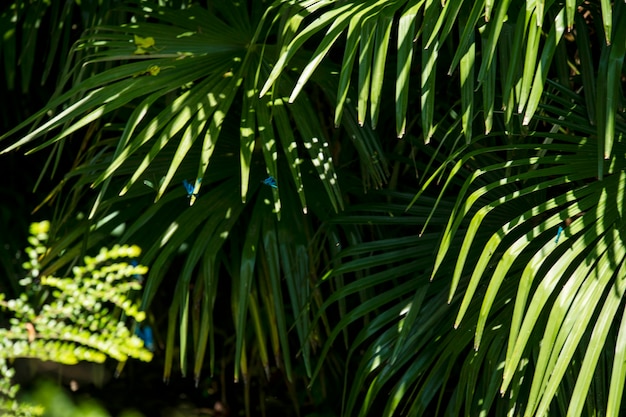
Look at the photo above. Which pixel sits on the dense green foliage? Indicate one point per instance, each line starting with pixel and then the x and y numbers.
pixel 443 234
pixel 82 317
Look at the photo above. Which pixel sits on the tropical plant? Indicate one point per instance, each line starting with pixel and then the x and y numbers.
pixel 183 83
pixel 530 256
pixel 522 241
pixel 72 319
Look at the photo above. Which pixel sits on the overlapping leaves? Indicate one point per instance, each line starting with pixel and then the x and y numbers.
pixel 571 280
pixel 510 41
pixel 531 256
pixel 177 87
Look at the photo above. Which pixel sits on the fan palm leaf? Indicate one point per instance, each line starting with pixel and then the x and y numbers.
pixel 206 67
pixel 516 47
pixel 531 255
pixel 182 79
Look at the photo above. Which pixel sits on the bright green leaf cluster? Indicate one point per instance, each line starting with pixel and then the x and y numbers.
pixel 71 319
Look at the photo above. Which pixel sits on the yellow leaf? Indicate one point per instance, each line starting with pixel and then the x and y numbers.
pixel 144 43
pixel 154 70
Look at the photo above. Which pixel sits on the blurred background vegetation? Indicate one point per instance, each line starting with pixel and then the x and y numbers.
pixel 390 207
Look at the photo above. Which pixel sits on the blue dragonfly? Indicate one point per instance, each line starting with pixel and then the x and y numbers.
pixel 271 181
pixel 190 188
pixel 558 234
pixel 145 334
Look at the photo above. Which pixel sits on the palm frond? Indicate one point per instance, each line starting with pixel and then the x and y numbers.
pixel 367 26
pixel 205 67
pixel 565 278
pixel 530 254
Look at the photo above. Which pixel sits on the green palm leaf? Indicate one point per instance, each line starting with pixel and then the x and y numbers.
pixel 205 67
pixel 524 81
pixel 528 240
pixel 537 308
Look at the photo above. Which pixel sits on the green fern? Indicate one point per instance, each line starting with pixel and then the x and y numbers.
pixel 71 319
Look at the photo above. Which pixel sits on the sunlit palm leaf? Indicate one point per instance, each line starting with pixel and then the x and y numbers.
pixel 176 60
pixel 591 234
pixel 508 275
pixel 524 78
